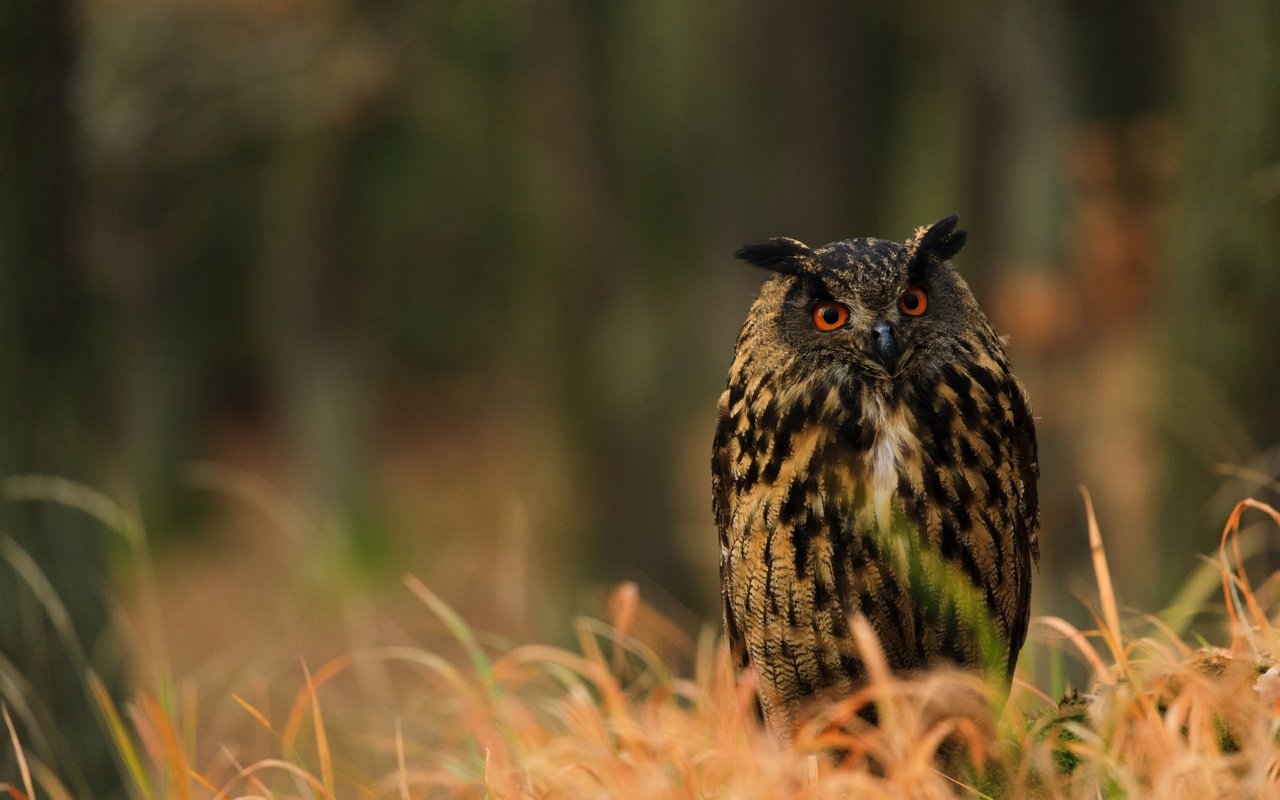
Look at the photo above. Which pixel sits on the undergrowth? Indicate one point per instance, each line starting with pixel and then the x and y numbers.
pixel 1164 715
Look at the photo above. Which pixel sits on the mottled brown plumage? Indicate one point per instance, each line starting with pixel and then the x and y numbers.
pixel 886 467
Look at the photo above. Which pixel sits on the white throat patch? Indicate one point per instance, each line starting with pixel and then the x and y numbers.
pixel 890 440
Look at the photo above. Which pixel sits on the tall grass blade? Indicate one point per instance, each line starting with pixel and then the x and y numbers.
pixel 1081 643
pixel 18 753
pixel 1260 617
pixel 258 716
pixel 305 697
pixel 1106 590
pixel 174 758
pixel 34 577
pixel 253 490
pixel 623 606
pixel 1203 581
pixel 120 736
pixel 320 735
pixel 64 492
pixel 402 774
pixel 322 739
pixel 15 690
pixel 299 774
pixel 44 777
pixel 458 628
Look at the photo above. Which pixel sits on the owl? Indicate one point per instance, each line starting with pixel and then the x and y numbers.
pixel 874 456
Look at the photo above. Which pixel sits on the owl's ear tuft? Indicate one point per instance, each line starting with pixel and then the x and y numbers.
pixel 938 242
pixel 788 256
pixel 942 239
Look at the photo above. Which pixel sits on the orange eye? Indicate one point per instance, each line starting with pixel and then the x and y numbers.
pixel 913 302
pixel 829 315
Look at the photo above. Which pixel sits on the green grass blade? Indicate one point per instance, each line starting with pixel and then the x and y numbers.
pixel 458 628
pixel 120 736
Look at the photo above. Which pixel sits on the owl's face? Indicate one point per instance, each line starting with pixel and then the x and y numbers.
pixel 882 309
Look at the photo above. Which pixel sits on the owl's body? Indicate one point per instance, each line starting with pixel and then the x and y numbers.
pixel 874 456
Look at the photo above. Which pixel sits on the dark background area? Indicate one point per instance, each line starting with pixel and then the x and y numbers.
pixel 444 287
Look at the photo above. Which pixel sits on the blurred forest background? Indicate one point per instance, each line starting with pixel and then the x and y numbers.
pixel 333 290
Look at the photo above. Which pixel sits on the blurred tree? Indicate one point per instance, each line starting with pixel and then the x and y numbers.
pixel 47 405
pixel 1115 165
pixel 310 290
pixel 1222 331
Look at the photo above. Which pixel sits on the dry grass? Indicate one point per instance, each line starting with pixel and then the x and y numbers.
pixel 1162 718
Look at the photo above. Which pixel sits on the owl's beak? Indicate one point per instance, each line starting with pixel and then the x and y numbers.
pixel 883 346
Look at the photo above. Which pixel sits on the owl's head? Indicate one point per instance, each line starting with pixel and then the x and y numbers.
pixel 877 307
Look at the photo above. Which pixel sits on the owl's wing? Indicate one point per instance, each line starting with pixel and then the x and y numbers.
pixel 1026 521
pixel 721 478
pixel 1027 469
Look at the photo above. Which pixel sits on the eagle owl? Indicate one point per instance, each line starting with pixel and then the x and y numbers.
pixel 874 455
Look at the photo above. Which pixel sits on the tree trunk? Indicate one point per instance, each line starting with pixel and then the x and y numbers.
pixel 44 399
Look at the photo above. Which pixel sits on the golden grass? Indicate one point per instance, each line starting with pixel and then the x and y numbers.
pixel 1162 717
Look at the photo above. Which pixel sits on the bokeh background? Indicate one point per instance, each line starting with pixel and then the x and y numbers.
pixel 330 291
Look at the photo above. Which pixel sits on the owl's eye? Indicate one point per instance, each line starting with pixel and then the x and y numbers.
pixel 913 302
pixel 829 315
